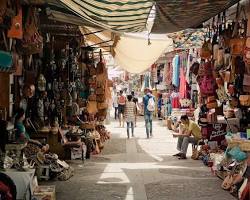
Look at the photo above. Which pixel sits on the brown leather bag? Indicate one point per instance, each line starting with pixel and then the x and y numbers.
pixel 32 42
pixel 92 107
pixel 102 106
pixel 245 100
pixel 16 29
pixel 237 46
pixel 100 98
pixel 206 50
pixel 92 97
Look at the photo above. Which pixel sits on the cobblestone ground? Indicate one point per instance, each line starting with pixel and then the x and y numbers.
pixel 140 169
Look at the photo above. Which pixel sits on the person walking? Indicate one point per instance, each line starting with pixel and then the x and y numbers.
pixel 159 106
pixel 135 100
pixel 115 104
pixel 149 108
pixel 130 111
pixel 121 108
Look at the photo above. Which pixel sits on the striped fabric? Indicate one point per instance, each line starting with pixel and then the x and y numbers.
pixel 115 15
pixel 176 15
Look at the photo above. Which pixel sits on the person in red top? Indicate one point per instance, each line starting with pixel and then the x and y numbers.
pixel 121 108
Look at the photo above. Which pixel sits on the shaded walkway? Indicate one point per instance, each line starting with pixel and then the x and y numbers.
pixel 141 169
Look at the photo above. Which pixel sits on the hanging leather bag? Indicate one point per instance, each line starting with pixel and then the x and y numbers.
pixel 206 84
pixel 32 42
pixel 206 50
pixel 237 43
pixel 92 107
pixel 102 106
pixel 16 29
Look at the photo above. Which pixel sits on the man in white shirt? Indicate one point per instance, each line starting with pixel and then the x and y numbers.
pixel 115 104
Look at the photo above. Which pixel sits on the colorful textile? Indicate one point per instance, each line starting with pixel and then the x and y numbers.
pixel 176 71
pixel 183 84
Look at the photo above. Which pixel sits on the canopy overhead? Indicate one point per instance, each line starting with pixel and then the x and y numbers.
pixel 176 15
pixel 121 16
pixel 135 55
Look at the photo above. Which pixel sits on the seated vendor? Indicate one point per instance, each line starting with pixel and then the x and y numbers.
pixel 23 137
pixel 189 132
pixel 21 134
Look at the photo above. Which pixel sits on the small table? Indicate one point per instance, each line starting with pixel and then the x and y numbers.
pixel 23 182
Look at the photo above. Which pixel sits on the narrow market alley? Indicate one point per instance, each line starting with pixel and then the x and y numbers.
pixel 140 169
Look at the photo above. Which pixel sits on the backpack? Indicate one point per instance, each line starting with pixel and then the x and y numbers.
pixel 151 105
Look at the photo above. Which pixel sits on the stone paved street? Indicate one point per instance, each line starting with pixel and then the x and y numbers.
pixel 140 169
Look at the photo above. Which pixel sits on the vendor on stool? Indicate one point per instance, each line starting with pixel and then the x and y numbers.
pixel 189 132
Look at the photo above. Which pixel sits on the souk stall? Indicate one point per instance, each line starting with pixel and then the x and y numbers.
pixel 56 89
pixel 222 78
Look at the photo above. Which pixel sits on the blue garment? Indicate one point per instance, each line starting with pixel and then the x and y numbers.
pixel 145 102
pixel 149 124
pixel 176 71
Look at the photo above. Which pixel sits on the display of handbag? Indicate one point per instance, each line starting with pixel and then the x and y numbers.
pixel 16 29
pixel 245 100
pixel 228 182
pixel 195 68
pixel 211 105
pixel 100 91
pixel 102 112
pixel 110 83
pixel 100 98
pixel 202 69
pixel 237 46
pixel 32 42
pixel 92 97
pixel 102 105
pixel 234 102
pixel 206 84
pixel 246 80
pixel 221 93
pixel 92 70
pixel 247 51
pixel 92 107
pixel 206 50
pixel 211 117
pixel 229 113
pixel 195 152
pixel 211 99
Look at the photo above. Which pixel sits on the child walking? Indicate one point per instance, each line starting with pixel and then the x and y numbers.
pixel 130 112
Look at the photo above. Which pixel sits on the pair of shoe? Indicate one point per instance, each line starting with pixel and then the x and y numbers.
pixel 181 156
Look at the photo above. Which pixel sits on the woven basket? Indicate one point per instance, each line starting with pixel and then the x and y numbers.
pixel 233 143
pixel 245 146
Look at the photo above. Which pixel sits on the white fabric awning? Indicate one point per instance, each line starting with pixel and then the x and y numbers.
pixel 134 55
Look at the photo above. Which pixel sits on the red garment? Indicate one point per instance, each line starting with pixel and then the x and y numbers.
pixel 183 84
pixel 175 102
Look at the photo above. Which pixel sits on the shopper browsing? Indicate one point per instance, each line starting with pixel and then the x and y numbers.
pixel 121 107
pixel 149 108
pixel 189 132
pixel 130 112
